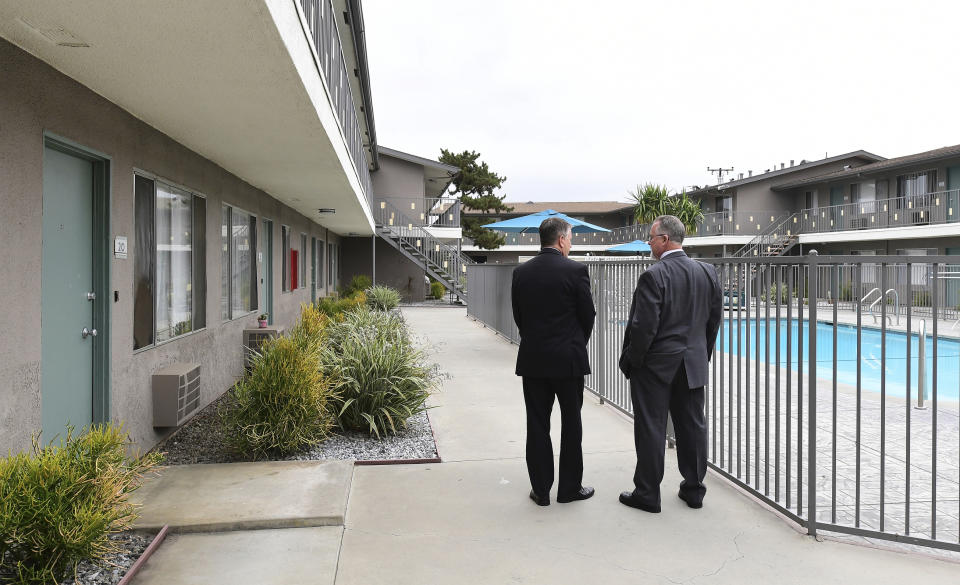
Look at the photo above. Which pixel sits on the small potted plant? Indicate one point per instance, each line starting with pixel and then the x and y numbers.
pixel 262 320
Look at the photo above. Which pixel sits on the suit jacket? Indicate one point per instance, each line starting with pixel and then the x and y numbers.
pixel 553 310
pixel 674 318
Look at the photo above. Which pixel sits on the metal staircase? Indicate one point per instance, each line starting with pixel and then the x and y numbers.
pixel 776 240
pixel 441 261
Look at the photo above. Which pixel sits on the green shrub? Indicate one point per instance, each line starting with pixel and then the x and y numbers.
pixel 382 298
pixel 335 308
pixel 784 294
pixel 309 331
pixel 381 376
pixel 58 505
pixel 281 404
pixel 359 283
pixel 437 290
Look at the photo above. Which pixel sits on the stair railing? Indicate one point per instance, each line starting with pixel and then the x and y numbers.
pixel 777 233
pixel 445 262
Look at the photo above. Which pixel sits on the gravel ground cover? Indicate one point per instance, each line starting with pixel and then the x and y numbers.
pixel 201 441
pixel 115 567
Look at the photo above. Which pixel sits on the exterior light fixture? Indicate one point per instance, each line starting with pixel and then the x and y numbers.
pixel 326 210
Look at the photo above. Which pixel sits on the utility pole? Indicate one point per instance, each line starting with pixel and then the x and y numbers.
pixel 719 172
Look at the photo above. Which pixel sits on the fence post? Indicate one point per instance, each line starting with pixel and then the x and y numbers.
pixel 813 288
pixel 601 332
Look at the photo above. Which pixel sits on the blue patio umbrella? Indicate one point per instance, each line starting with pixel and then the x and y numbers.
pixel 531 223
pixel 634 247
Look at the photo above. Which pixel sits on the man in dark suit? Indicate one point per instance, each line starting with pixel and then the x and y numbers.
pixel 553 310
pixel 676 313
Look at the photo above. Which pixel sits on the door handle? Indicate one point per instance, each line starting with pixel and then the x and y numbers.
pixel 88 333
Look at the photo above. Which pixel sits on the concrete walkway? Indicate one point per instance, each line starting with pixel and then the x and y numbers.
pixel 468 519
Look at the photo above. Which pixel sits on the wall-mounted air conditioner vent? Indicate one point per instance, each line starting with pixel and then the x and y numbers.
pixel 176 394
pixel 254 338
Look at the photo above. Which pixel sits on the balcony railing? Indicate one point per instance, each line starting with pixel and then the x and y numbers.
pixel 913 210
pixel 940 207
pixel 322 23
pixel 436 212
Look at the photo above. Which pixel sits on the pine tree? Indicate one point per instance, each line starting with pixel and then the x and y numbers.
pixel 474 186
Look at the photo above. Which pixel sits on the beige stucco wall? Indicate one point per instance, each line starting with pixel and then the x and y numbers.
pixel 34 98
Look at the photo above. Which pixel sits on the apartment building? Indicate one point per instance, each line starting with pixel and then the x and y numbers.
pixel 167 174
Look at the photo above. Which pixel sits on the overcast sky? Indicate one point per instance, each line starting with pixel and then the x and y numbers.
pixel 585 100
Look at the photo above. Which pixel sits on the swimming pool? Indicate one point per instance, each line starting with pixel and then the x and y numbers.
pixel 948 355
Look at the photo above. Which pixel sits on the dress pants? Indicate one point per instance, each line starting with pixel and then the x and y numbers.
pixel 538 394
pixel 651 402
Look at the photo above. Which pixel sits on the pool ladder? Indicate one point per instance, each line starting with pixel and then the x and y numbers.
pixel 896 298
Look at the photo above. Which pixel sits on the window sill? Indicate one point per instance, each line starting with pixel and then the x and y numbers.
pixel 168 341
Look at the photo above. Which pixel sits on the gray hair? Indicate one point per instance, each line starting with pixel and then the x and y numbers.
pixel 551 229
pixel 672 227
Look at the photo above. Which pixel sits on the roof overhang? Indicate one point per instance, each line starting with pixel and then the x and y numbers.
pixel 237 83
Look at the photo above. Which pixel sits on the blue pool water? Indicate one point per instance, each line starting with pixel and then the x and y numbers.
pixel 948 355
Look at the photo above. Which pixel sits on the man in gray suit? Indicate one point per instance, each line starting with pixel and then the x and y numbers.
pixel 676 313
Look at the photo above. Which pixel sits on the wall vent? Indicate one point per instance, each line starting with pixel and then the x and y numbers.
pixel 176 394
pixel 254 338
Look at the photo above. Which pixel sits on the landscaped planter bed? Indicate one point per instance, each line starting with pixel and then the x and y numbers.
pixel 201 440
pixel 116 567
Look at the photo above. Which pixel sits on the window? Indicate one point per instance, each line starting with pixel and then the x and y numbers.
pixel 303 260
pixel 169 262
pixel 330 262
pixel 285 257
pixel 912 184
pixel 320 281
pixel 723 204
pixel 238 263
pixel 810 200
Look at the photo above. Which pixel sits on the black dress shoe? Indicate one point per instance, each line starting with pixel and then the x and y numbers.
pixel 692 503
pixel 582 494
pixel 540 500
pixel 628 499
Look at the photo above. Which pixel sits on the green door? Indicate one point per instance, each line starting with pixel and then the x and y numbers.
pixel 836 214
pixel 953 195
pixel 266 281
pixel 67 293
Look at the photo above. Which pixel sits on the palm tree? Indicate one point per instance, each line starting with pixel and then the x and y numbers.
pixel 687 210
pixel 651 201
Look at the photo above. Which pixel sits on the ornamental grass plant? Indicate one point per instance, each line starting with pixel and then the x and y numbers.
pixel 335 308
pixel 383 298
pixel 281 405
pixel 59 504
pixel 437 290
pixel 381 378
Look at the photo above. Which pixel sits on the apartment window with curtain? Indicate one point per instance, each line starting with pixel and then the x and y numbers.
pixel 169 261
pixel 238 263
pixel 285 257
pixel 303 260
pixel 919 183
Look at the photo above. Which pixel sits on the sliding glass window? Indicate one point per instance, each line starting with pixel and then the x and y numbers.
pixel 238 267
pixel 169 264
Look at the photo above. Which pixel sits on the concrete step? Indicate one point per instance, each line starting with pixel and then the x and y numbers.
pixel 261 557
pixel 245 496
